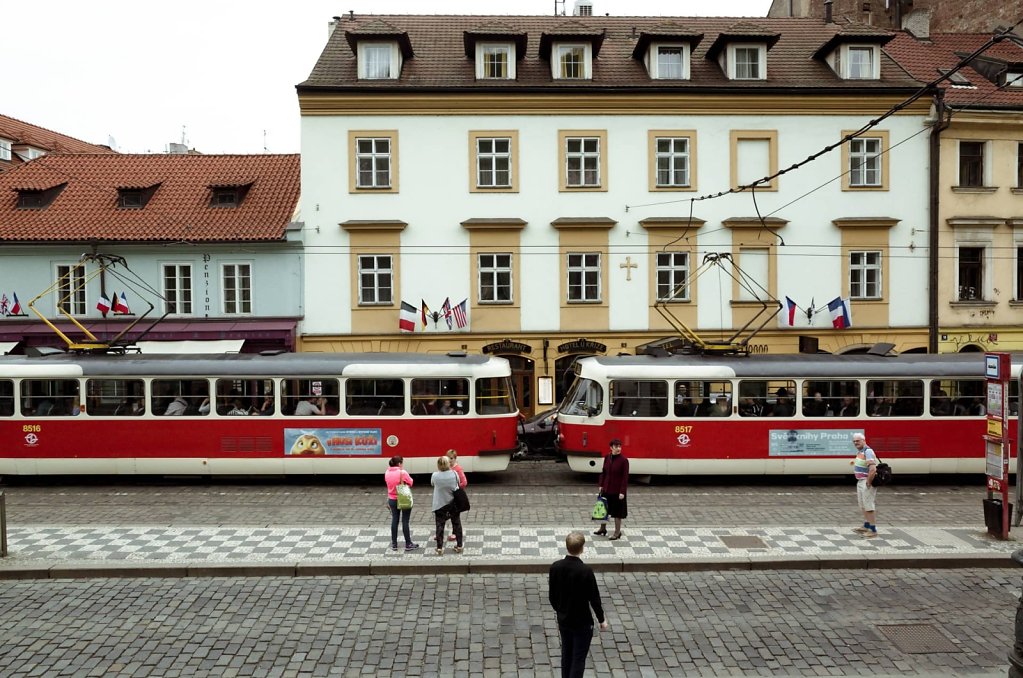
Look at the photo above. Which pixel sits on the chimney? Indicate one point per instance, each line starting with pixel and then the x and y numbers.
pixel 918 23
pixel 331 25
pixel 827 12
pixel 583 8
pixel 177 149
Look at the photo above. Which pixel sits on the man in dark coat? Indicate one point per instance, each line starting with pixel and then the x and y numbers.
pixel 573 591
pixel 614 485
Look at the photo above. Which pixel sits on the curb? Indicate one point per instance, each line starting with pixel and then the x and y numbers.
pixel 468 566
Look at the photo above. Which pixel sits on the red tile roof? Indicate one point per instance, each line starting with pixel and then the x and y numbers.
pixel 179 209
pixel 923 58
pixel 441 63
pixel 23 133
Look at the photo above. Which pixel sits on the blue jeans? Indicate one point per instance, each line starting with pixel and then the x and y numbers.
pixel 575 645
pixel 405 514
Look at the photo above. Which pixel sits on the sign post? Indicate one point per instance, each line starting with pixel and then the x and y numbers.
pixel 997 370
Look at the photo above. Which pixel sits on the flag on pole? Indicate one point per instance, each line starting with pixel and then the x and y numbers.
pixel 426 313
pixel 121 304
pixel 446 308
pixel 790 312
pixel 103 305
pixel 407 317
pixel 5 304
pixel 841 313
pixel 16 308
pixel 459 312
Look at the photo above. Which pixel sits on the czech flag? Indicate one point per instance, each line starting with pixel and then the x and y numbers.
pixel 841 313
pixel 16 308
pixel 407 317
pixel 790 312
pixel 103 305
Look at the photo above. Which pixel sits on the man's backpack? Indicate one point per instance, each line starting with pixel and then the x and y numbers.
pixel 882 474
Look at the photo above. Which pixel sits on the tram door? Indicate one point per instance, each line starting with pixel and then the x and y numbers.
pixel 522 370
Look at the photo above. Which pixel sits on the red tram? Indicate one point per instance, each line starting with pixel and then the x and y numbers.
pixel 308 413
pixel 779 414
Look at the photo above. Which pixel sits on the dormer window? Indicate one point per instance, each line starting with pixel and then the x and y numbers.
pixel 672 62
pixel 5 149
pixel 135 197
pixel 747 62
pixel 36 198
pixel 572 62
pixel 378 61
pixel 495 61
pixel 854 54
pixel 228 196
pixel 1014 78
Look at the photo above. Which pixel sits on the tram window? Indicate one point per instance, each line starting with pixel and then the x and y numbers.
pixel 241 396
pixel 310 397
pixel 634 398
pixel 1013 398
pixel 375 397
pixel 767 398
pixel 445 397
pixel 703 398
pixel 895 398
pixel 177 397
pixel 50 397
pixel 494 396
pixel 115 397
pixel 831 398
pixel 6 398
pixel 585 398
pixel 958 397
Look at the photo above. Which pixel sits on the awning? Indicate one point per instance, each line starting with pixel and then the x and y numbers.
pixel 212 346
pixel 7 346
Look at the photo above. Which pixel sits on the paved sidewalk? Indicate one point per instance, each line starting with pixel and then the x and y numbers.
pixel 82 551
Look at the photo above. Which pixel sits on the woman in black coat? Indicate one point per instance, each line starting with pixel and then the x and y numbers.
pixel 614 485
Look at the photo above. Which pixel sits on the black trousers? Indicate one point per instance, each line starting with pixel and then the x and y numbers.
pixel 442 516
pixel 575 646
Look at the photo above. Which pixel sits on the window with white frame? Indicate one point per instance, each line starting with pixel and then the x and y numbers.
pixel 495 61
pixel 582 161
pixel 236 283
pixel 377 61
pixel 584 277
pixel 493 162
pixel 572 62
pixel 177 289
pixel 860 62
pixel 748 62
pixel 672 157
pixel 5 149
pixel 375 276
pixel 865 275
pixel 31 153
pixel 1014 78
pixel 865 161
pixel 373 162
pixel 71 289
pixel 673 276
pixel 971 273
pixel 754 263
pixel 971 163
pixel 495 278
pixel 670 62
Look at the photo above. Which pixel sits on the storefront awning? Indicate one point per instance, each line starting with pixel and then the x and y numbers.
pixel 212 346
pixel 6 346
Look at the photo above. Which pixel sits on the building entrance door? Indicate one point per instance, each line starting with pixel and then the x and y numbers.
pixel 522 370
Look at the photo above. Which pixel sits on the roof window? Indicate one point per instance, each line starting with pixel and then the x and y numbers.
pixel 38 199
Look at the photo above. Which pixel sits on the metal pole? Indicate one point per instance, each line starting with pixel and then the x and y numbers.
pixel 3 525
pixel 1016 656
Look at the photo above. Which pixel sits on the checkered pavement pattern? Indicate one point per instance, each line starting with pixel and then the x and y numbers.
pixel 227 544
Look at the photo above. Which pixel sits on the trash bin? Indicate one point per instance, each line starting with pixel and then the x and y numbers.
pixel 993 515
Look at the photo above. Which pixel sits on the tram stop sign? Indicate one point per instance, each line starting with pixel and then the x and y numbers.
pixel 997 370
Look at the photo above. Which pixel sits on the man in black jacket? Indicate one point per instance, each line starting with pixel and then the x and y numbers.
pixel 573 591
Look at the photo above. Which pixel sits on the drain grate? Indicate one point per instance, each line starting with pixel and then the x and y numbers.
pixel 918 638
pixel 744 542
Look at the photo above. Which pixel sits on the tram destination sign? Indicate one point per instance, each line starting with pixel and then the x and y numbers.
pixel 830 442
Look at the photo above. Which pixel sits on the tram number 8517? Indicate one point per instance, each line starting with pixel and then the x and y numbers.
pixel 683 429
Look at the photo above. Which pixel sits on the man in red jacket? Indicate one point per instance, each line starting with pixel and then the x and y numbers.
pixel 614 485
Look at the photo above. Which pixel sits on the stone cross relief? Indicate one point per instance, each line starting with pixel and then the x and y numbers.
pixel 628 266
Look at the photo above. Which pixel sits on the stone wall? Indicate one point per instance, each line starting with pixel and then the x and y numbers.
pixel 947 16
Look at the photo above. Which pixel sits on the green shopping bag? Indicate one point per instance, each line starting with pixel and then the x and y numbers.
pixel 599 509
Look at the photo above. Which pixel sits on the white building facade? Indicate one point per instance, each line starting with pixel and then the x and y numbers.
pixel 544 172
